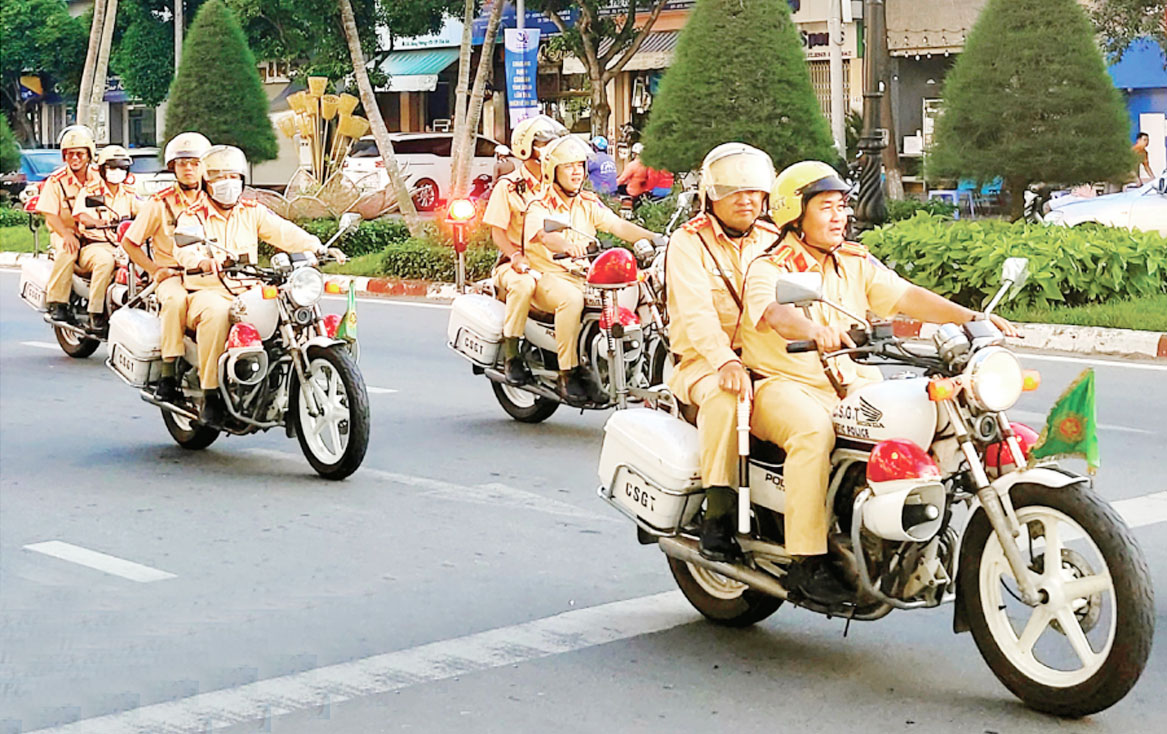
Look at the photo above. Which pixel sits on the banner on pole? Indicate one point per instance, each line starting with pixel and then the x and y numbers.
pixel 522 62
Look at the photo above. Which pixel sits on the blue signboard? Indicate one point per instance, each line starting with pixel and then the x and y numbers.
pixel 522 64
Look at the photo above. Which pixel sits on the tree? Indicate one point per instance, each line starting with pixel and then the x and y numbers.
pixel 217 91
pixel 37 38
pixel 9 148
pixel 1030 101
pixel 144 56
pixel 1119 22
pixel 469 111
pixel 376 121
pixel 739 74
pixel 602 41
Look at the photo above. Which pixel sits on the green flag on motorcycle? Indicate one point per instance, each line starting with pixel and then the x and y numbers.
pixel 1072 426
pixel 347 329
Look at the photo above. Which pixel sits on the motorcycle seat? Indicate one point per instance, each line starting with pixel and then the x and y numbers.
pixel 542 317
pixel 766 452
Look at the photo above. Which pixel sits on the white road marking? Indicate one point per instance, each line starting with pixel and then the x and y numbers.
pixel 494 494
pixel 567 632
pixel 379 390
pixel 100 561
pixel 1098 362
pixel 1039 420
pixel 391 302
pixel 41 345
pixel 1146 510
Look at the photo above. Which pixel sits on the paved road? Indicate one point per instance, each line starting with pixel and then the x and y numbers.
pixel 467 571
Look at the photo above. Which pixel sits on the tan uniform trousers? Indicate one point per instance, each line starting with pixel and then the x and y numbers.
pixel 208 313
pixel 518 289
pixel 716 431
pixel 563 295
pixel 172 297
pixel 97 259
pixel 797 417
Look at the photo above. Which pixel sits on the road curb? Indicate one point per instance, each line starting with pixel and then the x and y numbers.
pixel 1066 338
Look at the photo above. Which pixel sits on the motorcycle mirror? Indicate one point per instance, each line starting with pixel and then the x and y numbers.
pixel 555 224
pixel 1162 187
pixel 349 221
pixel 1015 271
pixel 685 199
pixel 94 201
pixel 799 289
pixel 184 236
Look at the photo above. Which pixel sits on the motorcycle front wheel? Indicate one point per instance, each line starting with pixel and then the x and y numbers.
pixel 521 405
pixel 187 433
pixel 77 347
pixel 722 600
pixel 335 439
pixel 1083 646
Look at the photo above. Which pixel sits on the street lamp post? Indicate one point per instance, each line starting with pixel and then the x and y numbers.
pixel 871 209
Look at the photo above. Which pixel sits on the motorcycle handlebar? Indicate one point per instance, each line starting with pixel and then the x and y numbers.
pixel 805 345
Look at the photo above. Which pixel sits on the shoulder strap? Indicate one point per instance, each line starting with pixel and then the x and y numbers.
pixel 737 299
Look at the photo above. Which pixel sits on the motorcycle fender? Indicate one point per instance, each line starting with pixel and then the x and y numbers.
pixel 322 341
pixel 1046 477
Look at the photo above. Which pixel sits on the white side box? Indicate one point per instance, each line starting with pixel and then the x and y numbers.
pixel 34 279
pixel 650 462
pixel 475 328
pixel 135 345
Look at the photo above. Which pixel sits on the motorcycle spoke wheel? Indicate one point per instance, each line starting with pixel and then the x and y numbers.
pixel 1064 640
pixel 521 398
pixel 716 585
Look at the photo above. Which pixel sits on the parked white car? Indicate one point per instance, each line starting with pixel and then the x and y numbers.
pixel 1143 208
pixel 425 160
pixel 150 175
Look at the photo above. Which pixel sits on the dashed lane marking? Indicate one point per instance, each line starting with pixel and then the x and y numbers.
pixel 1130 365
pixel 41 345
pixel 100 561
pixel 379 390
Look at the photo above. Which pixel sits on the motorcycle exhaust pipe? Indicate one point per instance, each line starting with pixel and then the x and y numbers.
pixel 684 549
pixel 71 328
pixel 171 407
pixel 535 388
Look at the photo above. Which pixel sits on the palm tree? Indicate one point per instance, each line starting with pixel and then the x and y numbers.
pixel 468 115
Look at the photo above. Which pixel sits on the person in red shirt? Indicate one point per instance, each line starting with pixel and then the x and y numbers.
pixel 660 182
pixel 633 180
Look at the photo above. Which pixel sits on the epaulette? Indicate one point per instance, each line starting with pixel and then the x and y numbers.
pixel 853 248
pixel 787 257
pixel 249 202
pixel 695 223
pixel 59 174
pixel 768 226
pixel 168 191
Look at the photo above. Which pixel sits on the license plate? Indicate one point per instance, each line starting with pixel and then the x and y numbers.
pixel 470 344
pixel 33 293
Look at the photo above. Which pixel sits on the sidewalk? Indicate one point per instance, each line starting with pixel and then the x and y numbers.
pixel 1093 340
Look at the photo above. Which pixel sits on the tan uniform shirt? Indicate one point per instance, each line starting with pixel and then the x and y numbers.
pixel 58 194
pixel 508 203
pixel 238 232
pixel 586 213
pixel 703 315
pixel 851 278
pixel 122 205
pixel 156 221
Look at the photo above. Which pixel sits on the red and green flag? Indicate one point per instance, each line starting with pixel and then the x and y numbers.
pixel 1072 426
pixel 347 329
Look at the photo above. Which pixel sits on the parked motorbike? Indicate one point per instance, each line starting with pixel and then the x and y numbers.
pixel 284 365
pixel 74 338
pixel 930 501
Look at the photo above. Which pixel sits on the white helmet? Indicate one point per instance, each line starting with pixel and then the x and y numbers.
pixel 637 148
pixel 78 136
pixel 733 167
pixel 185 145
pixel 533 131
pixel 221 159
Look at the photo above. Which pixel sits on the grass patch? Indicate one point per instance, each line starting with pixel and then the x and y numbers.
pixel 368 265
pixel 19 239
pixel 1146 314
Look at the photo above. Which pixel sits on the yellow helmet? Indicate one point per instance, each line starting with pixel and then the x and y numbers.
pixel 562 151
pixel 733 167
pixel 114 153
pixel 796 184
pixel 78 136
pixel 185 145
pixel 532 131
pixel 221 159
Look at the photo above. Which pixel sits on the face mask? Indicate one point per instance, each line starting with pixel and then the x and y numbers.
pixel 226 191
pixel 115 175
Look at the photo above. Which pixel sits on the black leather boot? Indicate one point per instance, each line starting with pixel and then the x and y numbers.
pixel 820 579
pixel 718 529
pixel 572 388
pixel 214 412
pixel 516 371
pixel 98 324
pixel 59 312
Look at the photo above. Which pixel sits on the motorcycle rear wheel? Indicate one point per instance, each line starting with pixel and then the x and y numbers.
pixel 77 347
pixel 521 405
pixel 1098 612
pixel 342 451
pixel 187 433
pixel 722 600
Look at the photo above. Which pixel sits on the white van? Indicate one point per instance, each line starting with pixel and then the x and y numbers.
pixel 425 161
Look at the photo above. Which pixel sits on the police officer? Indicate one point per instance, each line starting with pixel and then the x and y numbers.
pixel 58 195
pixel 705 267
pixel 504 215
pixel 155 224
pixel 564 171
pixel 794 397
pixel 233 227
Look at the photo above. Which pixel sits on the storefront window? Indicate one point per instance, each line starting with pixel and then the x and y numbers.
pixel 142 127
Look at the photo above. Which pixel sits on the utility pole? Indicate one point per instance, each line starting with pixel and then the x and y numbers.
pixel 871 209
pixel 177 33
pixel 98 121
pixel 835 34
pixel 520 14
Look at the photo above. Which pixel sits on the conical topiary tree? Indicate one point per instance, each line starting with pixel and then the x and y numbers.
pixel 739 74
pixel 9 148
pixel 217 91
pixel 1029 100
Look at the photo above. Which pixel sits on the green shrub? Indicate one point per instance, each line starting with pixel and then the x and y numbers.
pixel 427 258
pixel 372 235
pixel 1070 266
pixel 899 209
pixel 11 216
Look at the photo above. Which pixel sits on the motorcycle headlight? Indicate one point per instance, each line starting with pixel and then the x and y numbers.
pixel 994 379
pixel 306 286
